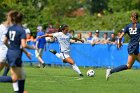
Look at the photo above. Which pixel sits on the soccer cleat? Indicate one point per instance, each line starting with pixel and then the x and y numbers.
pixel 53 51
pixel 81 75
pixel 108 74
pixel 43 65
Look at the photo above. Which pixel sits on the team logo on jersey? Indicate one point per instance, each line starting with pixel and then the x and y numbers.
pixel 132 31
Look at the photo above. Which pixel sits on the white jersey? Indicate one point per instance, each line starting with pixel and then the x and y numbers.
pixel 64 41
pixel 3 31
pixel 3 48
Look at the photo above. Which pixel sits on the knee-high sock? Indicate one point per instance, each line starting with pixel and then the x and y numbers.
pixel 6 70
pixel 118 69
pixel 15 86
pixel 59 56
pixel 75 68
pixel 6 79
pixel 21 84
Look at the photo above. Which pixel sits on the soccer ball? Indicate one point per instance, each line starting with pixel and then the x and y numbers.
pixel 90 73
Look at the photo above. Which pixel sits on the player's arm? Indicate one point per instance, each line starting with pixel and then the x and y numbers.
pixel 46 35
pixel 6 42
pixel 119 44
pixel 27 53
pixel 74 38
pixel 24 45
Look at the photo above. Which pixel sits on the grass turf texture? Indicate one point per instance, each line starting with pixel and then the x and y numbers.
pixel 65 80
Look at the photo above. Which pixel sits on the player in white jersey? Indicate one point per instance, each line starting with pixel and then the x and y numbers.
pixel 63 38
pixel 3 48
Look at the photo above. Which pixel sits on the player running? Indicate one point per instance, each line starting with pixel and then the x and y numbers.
pixel 133 30
pixel 16 37
pixel 63 38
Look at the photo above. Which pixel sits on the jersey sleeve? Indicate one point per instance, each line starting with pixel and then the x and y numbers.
pixel 23 35
pixel 56 34
pixel 125 30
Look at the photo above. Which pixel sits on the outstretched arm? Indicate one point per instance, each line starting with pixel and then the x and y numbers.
pixel 27 53
pixel 78 39
pixel 119 44
pixel 46 35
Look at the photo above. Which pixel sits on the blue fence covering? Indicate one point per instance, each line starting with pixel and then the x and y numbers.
pixel 101 55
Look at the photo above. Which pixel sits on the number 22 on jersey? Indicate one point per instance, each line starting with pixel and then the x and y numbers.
pixel 132 31
pixel 12 35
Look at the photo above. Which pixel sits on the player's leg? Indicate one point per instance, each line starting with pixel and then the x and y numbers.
pixel 18 77
pixel 39 56
pixel 138 57
pixel 2 63
pixel 131 59
pixel 1 66
pixel 55 53
pixel 6 70
pixel 74 66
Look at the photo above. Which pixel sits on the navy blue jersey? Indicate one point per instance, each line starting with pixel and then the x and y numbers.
pixel 134 34
pixel 15 34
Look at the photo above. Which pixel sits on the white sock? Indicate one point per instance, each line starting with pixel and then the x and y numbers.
pixel 58 55
pixel 15 86
pixel 75 68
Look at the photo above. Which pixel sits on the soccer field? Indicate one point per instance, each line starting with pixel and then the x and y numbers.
pixel 65 80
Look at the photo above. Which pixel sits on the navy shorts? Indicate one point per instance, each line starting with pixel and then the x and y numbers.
pixel 133 49
pixel 14 58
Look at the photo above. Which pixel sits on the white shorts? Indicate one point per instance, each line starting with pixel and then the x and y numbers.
pixel 64 55
pixel 39 52
pixel 3 52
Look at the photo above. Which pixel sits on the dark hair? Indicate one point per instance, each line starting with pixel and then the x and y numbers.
pixel 16 17
pixel 134 15
pixel 62 27
pixel 71 31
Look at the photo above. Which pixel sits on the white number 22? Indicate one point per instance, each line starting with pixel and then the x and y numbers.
pixel 133 31
pixel 12 35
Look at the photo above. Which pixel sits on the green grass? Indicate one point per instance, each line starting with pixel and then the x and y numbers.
pixel 65 80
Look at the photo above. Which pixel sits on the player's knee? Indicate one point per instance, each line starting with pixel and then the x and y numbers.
pixel 23 76
pixel 14 79
pixel 129 66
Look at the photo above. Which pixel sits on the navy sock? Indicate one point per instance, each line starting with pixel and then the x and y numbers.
pixel 6 79
pixel 120 68
pixel 6 70
pixel 21 85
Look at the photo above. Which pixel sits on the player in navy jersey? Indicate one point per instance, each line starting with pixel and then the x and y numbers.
pixel 16 37
pixel 133 30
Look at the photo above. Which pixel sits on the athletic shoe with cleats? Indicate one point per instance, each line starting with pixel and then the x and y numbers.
pixel 81 75
pixel 108 74
pixel 53 51
pixel 43 65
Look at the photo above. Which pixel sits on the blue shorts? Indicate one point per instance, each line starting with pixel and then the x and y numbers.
pixel 14 58
pixel 133 48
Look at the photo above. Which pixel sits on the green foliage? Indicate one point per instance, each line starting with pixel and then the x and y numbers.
pixel 115 14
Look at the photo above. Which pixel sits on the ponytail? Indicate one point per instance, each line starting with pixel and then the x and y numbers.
pixel 134 16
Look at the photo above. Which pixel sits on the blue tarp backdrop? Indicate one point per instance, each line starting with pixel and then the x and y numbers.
pixel 100 55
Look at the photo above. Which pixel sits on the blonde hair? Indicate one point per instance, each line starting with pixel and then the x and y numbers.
pixel 134 16
pixel 9 18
